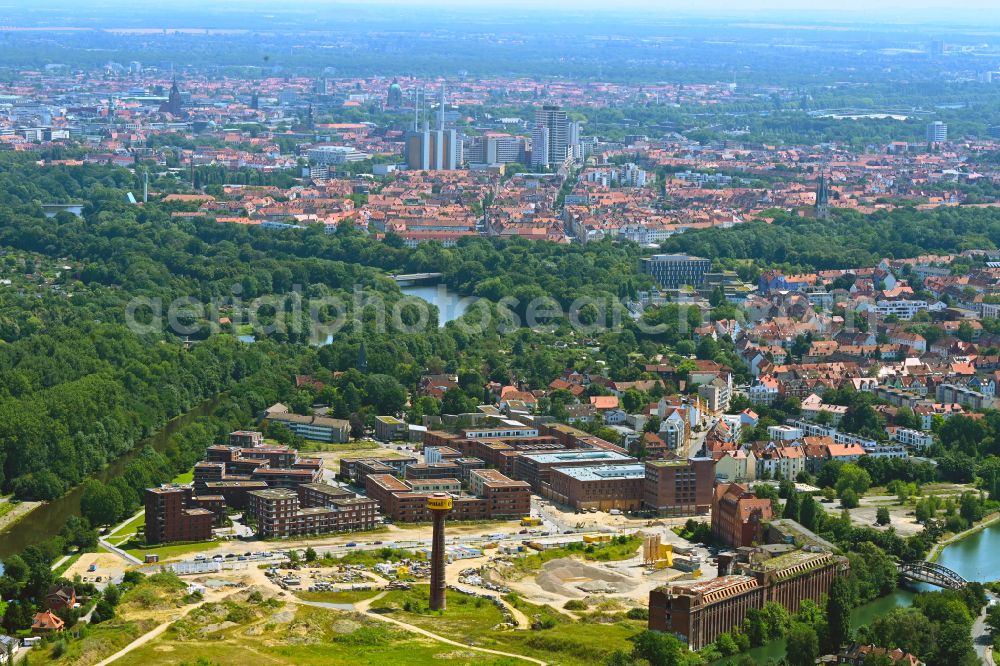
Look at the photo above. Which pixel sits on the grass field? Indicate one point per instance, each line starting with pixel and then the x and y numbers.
pixel 128 530
pixel 90 644
pixel 467 619
pixel 302 636
pixel 471 620
pixel 139 550
pixel 184 477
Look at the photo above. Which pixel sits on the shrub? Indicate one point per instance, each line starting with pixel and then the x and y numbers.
pixel 575 605
pixel 637 614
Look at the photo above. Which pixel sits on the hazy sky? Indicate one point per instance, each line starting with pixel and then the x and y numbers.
pixel 925 9
pixel 984 14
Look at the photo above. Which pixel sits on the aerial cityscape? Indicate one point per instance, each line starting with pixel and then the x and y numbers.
pixel 413 332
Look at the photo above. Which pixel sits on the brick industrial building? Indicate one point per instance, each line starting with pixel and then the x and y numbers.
pixel 698 612
pixel 738 515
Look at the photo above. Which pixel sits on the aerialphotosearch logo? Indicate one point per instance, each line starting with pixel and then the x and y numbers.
pixel 319 319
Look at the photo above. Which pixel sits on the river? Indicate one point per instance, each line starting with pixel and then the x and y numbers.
pixel 974 558
pixel 46 520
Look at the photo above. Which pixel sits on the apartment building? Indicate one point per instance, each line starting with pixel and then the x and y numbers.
pixel 406 501
pixel 173 514
pixel 278 514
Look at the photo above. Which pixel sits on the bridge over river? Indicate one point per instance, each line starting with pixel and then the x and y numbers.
pixel 932 574
pixel 411 279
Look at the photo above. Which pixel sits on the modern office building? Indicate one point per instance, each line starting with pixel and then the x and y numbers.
pixel 326 155
pixel 495 149
pixel 319 428
pixel 675 270
pixel 937 132
pixel 536 468
pixel 553 137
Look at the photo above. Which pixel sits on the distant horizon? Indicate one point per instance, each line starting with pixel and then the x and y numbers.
pixel 975 14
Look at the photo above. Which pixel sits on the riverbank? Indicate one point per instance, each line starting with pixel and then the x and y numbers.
pixel 16 512
pixel 48 518
pixel 939 547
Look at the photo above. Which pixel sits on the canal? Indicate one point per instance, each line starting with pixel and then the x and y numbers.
pixel 974 558
pixel 46 520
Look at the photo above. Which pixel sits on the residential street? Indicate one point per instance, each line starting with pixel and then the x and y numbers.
pixel 981 636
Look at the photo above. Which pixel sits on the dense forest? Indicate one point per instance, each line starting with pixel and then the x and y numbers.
pixel 847 239
pixel 80 386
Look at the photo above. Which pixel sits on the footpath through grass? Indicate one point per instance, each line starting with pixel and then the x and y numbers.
pixel 273 633
pixel 558 639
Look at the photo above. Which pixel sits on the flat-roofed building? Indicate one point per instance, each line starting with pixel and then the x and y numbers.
pixel 601 487
pixel 285 478
pixel 679 487
pixel 676 270
pixel 466 465
pixel 319 428
pixel 235 491
pixel 355 469
pixel 536 467
pixel 435 485
pixel 389 428
pixel 278 514
pixel 441 470
pixel 246 439
pixel 406 501
pixel 172 515
pixel 504 496
pixel 207 471
pixel 321 494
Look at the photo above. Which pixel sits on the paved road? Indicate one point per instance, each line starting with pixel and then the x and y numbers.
pixel 982 639
pixel 130 559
